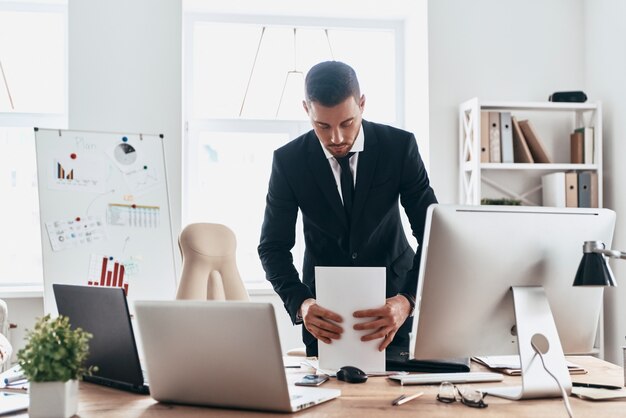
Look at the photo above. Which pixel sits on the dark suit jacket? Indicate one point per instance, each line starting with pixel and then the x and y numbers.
pixel 389 168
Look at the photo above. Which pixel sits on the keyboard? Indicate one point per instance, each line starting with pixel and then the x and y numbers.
pixel 436 378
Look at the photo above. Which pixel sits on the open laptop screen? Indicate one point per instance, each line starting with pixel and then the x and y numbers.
pixel 103 312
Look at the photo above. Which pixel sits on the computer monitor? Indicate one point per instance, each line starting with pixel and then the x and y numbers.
pixel 473 255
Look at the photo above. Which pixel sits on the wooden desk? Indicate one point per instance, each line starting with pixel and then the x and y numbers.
pixel 373 399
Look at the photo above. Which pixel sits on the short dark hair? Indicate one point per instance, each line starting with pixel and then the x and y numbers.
pixel 330 83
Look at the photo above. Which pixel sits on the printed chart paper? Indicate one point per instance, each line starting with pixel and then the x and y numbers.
pixel 345 290
pixel 76 232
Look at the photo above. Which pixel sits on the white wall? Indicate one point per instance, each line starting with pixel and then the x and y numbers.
pixel 524 50
pixel 605 66
pixel 495 50
pixel 125 60
pixel 23 311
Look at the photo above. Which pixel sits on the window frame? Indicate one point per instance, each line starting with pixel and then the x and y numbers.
pixel 193 126
pixel 16 119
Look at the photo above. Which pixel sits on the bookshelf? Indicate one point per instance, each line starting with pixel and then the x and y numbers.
pixel 522 181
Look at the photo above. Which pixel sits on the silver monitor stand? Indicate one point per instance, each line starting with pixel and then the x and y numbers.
pixel 535 324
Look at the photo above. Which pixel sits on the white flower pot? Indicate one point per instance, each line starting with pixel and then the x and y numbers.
pixel 53 399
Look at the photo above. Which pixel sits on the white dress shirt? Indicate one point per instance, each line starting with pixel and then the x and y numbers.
pixel 357 147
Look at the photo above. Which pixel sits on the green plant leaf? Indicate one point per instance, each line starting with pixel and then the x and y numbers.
pixel 55 352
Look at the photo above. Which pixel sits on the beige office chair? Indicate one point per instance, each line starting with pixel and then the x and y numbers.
pixel 209 264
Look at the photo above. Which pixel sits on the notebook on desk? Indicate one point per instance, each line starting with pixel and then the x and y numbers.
pixel 224 354
pixel 103 312
pixel 13 402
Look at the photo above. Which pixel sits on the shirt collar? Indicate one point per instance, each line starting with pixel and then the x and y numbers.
pixel 358 146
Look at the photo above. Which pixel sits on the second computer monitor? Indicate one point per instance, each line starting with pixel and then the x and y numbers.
pixel 471 257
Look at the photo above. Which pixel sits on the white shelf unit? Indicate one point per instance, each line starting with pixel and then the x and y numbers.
pixel 474 173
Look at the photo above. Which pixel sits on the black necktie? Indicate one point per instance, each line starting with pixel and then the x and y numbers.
pixel 347 182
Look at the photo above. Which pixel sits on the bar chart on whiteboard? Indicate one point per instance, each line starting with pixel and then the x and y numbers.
pixel 107 271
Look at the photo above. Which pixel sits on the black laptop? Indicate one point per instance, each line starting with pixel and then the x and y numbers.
pixel 103 312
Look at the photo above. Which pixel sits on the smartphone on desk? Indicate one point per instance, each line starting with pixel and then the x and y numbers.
pixel 312 380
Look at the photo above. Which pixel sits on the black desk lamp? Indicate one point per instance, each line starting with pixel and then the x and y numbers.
pixel 594 269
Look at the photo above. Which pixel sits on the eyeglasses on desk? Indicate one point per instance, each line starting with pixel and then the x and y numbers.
pixel 449 393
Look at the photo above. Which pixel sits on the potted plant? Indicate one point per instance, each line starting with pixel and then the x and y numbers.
pixel 52 361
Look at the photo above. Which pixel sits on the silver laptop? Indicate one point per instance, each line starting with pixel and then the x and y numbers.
pixel 223 354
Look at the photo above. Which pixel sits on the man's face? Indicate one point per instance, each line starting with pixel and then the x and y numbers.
pixel 337 126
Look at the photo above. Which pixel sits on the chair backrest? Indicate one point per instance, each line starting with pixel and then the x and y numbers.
pixel 209 268
pixel 6 349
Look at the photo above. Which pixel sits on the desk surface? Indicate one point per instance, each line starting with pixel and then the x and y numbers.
pixel 373 399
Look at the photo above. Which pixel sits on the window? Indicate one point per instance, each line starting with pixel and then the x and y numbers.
pixel 244 83
pixel 33 92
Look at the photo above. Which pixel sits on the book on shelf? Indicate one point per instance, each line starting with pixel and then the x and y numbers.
pixel 553 190
pixel 577 155
pixel 521 153
pixel 506 137
pixel 535 144
pixel 587 134
pixel 571 189
pixel 484 137
pixel 495 155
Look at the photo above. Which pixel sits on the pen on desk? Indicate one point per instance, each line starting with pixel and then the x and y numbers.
pixel 16 377
pixel 595 386
pixel 405 398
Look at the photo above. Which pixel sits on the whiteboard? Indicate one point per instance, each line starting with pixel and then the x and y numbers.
pixel 104 213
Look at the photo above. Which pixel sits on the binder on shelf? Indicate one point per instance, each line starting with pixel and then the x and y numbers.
pixel 577 155
pixel 494 137
pixel 484 137
pixel 534 143
pixel 571 189
pixel 593 187
pixel 521 153
pixel 587 134
pixel 553 190
pixel 588 189
pixel 506 137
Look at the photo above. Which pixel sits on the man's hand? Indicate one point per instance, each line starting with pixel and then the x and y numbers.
pixel 320 322
pixel 387 320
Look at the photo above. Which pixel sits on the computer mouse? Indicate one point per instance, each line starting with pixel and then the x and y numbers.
pixel 351 374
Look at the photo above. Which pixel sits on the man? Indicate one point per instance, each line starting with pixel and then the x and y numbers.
pixel 345 176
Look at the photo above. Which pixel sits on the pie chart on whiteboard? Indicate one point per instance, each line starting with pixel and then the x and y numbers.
pixel 125 154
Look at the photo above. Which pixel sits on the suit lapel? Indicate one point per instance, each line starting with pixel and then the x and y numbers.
pixel 323 175
pixel 366 168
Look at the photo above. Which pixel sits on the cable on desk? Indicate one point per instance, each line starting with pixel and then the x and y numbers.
pixel 568 407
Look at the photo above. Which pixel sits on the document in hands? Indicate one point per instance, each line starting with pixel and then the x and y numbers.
pixel 345 290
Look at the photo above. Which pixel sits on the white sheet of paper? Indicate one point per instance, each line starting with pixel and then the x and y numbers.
pixel 345 290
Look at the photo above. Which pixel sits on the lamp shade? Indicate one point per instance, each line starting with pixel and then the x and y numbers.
pixel 594 271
